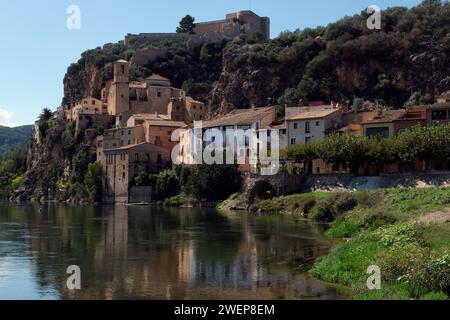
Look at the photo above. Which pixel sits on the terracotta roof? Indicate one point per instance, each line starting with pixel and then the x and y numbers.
pixel 121 128
pixel 166 123
pixel 440 105
pixel 387 116
pixel 132 146
pixel 157 77
pixel 314 113
pixel 150 116
pixel 239 117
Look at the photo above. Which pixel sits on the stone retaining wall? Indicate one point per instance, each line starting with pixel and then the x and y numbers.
pixel 341 182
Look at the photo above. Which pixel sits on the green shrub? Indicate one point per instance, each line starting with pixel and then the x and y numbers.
pixel 324 211
pixel 401 233
pixel 400 259
pixel 344 202
pixel 435 276
pixel 17 182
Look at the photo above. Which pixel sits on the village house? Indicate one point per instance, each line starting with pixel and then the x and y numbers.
pixel 192 142
pixel 148 137
pixel 121 165
pixel 86 114
pixel 307 124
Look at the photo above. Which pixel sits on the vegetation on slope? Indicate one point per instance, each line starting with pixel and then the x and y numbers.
pixel 383 228
pixel 408 58
pixel 11 138
pixel 13 165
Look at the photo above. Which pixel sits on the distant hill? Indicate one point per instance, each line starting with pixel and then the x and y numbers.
pixel 13 137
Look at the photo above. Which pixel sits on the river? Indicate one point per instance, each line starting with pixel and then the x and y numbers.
pixel 157 253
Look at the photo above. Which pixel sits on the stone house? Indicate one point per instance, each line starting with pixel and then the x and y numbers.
pixel 121 165
pixel 155 95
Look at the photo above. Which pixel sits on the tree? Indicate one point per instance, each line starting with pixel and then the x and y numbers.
pixel 186 25
pixel 213 182
pixel 358 104
pixel 93 181
pixel 46 114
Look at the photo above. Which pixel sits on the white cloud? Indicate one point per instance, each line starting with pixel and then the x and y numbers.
pixel 6 118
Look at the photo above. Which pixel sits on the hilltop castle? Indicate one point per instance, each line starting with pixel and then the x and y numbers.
pixel 243 22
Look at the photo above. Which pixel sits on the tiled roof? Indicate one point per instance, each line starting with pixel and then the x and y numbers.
pixel 157 77
pixel 166 123
pixel 239 117
pixel 387 116
pixel 150 116
pixel 121 128
pixel 314 113
pixel 132 146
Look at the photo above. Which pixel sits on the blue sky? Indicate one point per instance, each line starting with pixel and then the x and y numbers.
pixel 37 47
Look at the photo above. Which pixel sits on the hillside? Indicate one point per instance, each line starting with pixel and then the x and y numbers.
pixel 406 61
pixel 11 138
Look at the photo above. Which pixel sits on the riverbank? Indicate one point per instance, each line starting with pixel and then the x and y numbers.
pixel 405 232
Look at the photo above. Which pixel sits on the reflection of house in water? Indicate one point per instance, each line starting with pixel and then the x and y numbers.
pixel 137 252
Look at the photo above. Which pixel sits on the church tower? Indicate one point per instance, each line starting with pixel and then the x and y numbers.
pixel 119 99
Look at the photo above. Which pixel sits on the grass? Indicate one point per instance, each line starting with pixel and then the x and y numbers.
pixel 382 229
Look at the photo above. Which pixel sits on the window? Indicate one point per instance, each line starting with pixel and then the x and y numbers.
pixel 159 159
pixel 136 157
pixel 122 133
pixel 158 141
pixel 148 156
pixel 122 67
pixel 159 94
pixel 382 132
pixel 317 123
pixel 93 102
pixel 292 141
pixel 439 115
pixel 307 127
pixel 129 131
pixel 307 140
pixel 295 125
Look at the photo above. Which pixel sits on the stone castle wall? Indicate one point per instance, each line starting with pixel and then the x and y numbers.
pixel 242 22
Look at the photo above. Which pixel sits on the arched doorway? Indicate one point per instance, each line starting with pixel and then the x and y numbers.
pixel 262 191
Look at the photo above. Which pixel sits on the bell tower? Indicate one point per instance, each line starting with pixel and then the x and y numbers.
pixel 119 99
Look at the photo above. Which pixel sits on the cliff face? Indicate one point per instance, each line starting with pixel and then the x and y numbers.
pixel 44 159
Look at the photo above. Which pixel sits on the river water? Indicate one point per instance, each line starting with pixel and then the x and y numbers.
pixel 155 253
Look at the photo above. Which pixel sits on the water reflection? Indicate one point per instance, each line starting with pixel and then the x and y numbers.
pixel 153 253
